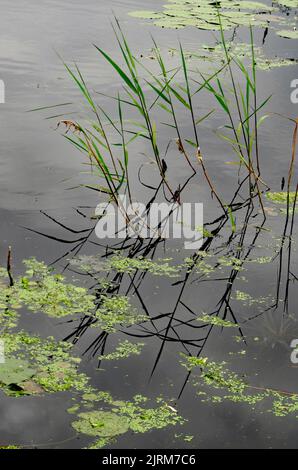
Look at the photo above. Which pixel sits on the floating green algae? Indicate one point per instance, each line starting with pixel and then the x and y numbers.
pixel 40 290
pixel 200 266
pixel 288 33
pixel 9 447
pixel 126 265
pixel 123 350
pixel 116 311
pixel 289 3
pixel 216 321
pixel 229 386
pixel 101 424
pixel 281 197
pixel 247 299
pixel 238 50
pixel 124 416
pixel 260 260
pixel 35 365
pixel 160 267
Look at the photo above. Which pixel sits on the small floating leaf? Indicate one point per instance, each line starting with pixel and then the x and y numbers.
pixel 212 320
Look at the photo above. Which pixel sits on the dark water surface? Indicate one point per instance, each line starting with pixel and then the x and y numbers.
pixel 37 168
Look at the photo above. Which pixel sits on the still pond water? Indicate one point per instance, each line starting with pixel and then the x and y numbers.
pixel 41 171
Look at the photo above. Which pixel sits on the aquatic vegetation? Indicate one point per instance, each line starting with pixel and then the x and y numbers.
pixel 243 296
pixel 216 321
pixel 281 197
pixel 89 263
pixel 261 260
pixel 214 54
pixel 288 33
pixel 160 267
pixel 204 14
pixel 34 365
pixel 219 263
pixel 291 211
pixel 288 3
pixel 185 437
pixel 123 350
pixel 8 317
pixel 167 94
pixel 124 416
pixel 235 389
pixel 126 265
pixel 236 263
pixel 247 299
pixel 10 447
pixel 116 311
pixel 39 290
pixel 200 266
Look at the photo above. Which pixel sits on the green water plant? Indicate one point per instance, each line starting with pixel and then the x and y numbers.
pixel 288 33
pixel 34 366
pixel 41 290
pixel 229 386
pixel 123 350
pixel 123 416
pixel 210 53
pixel 116 311
pixel 10 447
pixel 281 197
pixel 127 265
pixel 203 14
pixel 216 321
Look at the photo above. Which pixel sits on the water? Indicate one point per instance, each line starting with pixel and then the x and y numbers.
pixel 38 167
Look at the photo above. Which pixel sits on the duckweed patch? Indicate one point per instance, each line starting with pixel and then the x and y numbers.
pixel 185 437
pixel 160 267
pixel 200 266
pixel 124 416
pixel 281 197
pixel 216 321
pixel 116 311
pixel 40 290
pixel 261 260
pixel 289 3
pixel 126 265
pixel 247 299
pixel 35 365
pixel 216 376
pixel 9 447
pixel 123 350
